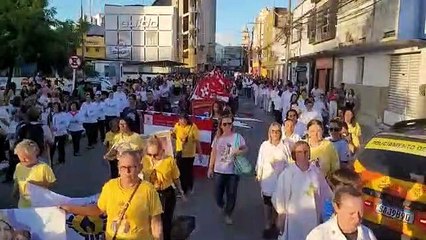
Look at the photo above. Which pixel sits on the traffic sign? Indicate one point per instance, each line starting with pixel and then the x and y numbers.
pixel 74 62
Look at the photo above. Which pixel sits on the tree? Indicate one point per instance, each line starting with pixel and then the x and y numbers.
pixel 30 33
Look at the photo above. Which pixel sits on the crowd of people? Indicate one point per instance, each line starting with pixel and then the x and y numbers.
pixel 304 169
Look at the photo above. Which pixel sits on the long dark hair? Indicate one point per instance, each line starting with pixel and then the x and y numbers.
pixel 220 108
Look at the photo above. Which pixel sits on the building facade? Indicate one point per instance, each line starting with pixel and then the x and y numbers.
pixel 268 43
pixel 140 33
pixel 375 47
pixel 94 44
pixel 196 32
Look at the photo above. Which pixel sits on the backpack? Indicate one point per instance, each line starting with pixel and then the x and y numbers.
pixel 32 132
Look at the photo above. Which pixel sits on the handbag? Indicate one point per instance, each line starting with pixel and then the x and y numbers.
pixel 241 165
pixel 123 212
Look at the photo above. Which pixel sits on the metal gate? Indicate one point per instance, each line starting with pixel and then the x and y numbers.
pixel 404 84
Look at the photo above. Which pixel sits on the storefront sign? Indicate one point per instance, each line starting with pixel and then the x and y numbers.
pixel 140 23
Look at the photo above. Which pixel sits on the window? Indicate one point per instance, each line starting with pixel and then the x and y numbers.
pixel 97 49
pixel 185 24
pixel 185 6
pixel 360 69
pixel 312 28
pixel 297 33
pixel 151 38
pixel 87 49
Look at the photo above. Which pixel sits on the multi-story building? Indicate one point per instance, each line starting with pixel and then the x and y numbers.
pixel 268 44
pixel 94 44
pixel 375 47
pixel 196 28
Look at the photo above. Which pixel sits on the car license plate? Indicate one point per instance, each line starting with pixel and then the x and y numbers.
pixel 402 215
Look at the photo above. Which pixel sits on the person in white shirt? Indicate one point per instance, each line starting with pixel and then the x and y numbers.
pixel 286 98
pixel 100 106
pixel 273 157
pixel 121 98
pixel 299 127
pixel 316 92
pixel 75 127
pixel 256 93
pixel 90 113
pixel 112 110
pixel 276 99
pixel 289 137
pixel 346 223
pixel 300 194
pixel 59 125
pixel 310 113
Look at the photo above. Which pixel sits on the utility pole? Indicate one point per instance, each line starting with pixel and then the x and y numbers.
pixel 83 45
pixel 288 42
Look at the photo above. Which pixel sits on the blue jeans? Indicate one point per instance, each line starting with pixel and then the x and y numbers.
pixel 226 184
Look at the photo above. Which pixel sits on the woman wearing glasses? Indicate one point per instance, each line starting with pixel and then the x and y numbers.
pixel 225 147
pixel 161 170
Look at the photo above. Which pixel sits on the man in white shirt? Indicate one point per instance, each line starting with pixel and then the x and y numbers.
pixel 121 98
pixel 310 113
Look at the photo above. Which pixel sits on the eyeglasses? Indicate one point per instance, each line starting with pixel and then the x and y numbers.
pixel 335 129
pixel 152 155
pixel 227 124
pixel 275 131
pixel 128 168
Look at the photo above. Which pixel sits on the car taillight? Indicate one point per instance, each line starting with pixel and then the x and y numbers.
pixel 368 203
pixel 422 221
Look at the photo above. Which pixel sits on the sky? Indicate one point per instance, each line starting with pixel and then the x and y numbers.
pixel 232 15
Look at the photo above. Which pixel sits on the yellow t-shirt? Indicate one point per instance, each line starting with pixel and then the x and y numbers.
pixel 109 138
pixel 162 174
pixel 327 156
pixel 136 223
pixel 135 140
pixel 191 134
pixel 41 172
pixel 355 131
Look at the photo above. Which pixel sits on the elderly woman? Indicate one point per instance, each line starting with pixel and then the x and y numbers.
pixel 161 170
pixel 322 151
pixel 346 224
pixel 300 194
pixel 30 170
pixel 274 155
pixel 132 205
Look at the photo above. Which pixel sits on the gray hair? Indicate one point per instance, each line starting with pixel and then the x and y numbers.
pixel 27 146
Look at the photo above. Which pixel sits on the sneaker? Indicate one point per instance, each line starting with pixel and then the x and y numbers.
pixel 228 220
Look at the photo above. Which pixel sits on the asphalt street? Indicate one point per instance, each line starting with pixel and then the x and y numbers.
pixel 84 176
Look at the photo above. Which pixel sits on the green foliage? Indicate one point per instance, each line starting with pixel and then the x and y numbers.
pixel 29 33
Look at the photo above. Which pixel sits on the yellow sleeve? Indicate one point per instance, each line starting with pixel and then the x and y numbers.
pixel 196 133
pixel 175 169
pixel 334 158
pixel 139 142
pixel 48 174
pixel 103 198
pixel 155 207
pixel 17 171
pixel 175 128
pixel 108 138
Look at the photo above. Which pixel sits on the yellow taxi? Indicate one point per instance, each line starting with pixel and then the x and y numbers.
pixel 393 169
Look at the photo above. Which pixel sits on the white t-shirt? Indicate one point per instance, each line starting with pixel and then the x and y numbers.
pixel 224 146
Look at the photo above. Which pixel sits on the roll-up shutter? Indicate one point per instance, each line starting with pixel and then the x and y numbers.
pixel 404 84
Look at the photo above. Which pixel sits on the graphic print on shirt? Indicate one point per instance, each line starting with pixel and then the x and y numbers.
pixel 225 152
pixel 124 226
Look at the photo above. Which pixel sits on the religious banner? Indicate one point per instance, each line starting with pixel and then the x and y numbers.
pixel 77 227
pixel 33 224
pixel 155 122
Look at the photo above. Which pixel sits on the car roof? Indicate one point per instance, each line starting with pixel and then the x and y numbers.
pixel 413 129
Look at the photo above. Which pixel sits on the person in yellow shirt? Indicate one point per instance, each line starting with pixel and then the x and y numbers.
pixel 322 150
pixel 162 171
pixel 354 128
pixel 132 205
pixel 30 170
pixel 127 137
pixel 187 144
pixel 109 142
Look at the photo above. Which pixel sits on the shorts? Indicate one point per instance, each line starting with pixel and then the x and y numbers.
pixel 267 200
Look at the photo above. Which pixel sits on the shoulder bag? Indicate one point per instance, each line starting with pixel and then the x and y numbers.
pixel 123 212
pixel 241 165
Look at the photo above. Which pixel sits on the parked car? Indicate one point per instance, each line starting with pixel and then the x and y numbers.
pixel 393 169
pixel 102 82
